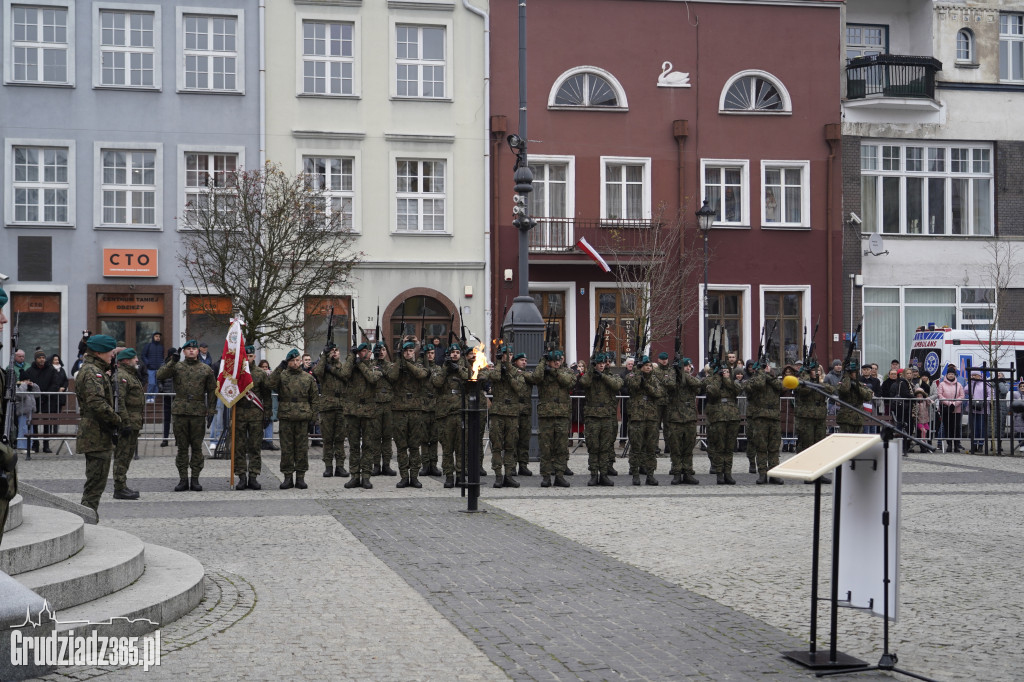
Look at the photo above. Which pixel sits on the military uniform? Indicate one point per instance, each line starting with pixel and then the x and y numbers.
pixel 811 411
pixel 599 424
pixel 645 392
pixel 98 422
pixel 362 409
pixel 249 421
pixel 195 398
pixel 297 404
pixel 449 381
pixel 428 400
pixel 8 457
pixel 855 393
pixel 384 396
pixel 507 388
pixel 131 403
pixel 723 422
pixel 553 407
pixel 764 433
pixel 406 379
pixel 664 374
pixel 681 414
pixel 332 414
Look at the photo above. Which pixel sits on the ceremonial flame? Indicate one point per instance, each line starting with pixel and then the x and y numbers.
pixel 479 361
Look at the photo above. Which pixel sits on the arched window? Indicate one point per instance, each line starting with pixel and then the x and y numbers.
pixel 418 314
pixel 965 45
pixel 755 92
pixel 587 87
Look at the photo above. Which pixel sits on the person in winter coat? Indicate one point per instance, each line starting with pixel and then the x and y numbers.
pixel 951 396
pixel 898 394
pixel 152 357
pixel 25 407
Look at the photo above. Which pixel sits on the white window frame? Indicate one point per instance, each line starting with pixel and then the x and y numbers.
pixel 620 92
pixel 805 193
pixel 239 54
pixel 1011 41
pixel 341 194
pixel 645 162
pixel 744 166
pixel 158 189
pixel 968 36
pixel 9 145
pixel 182 189
pixel 302 58
pixel 449 57
pixel 805 301
pixel 745 296
pixel 98 47
pixel 8 37
pixel 396 157
pixel 787 102
pixel 570 178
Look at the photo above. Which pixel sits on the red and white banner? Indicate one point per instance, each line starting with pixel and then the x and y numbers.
pixel 583 245
pixel 234 381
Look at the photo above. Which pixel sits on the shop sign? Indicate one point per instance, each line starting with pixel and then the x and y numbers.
pixel 129 262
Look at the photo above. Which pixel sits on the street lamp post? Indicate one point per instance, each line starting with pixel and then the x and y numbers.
pixel 705 216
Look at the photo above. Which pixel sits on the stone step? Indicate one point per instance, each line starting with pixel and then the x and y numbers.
pixel 170 587
pixel 45 536
pixel 110 561
pixel 18 605
pixel 14 517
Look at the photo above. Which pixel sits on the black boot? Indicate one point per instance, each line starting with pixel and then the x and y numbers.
pixel 287 482
pixel 194 484
pixel 568 471
pixel 328 471
pixel 642 471
pixel 729 480
pixel 560 481
pixel 366 483
pixel 510 482
pixel 354 483
pixel 483 472
pixel 413 481
pixel 689 479
pixel 605 481
pixel 499 481
pixel 386 470
pixel 403 483
pixel 545 482
pixel 434 471
pixel 125 493
pixel 300 480
pixel 762 479
pixel 376 470
pixel 449 481
pixel 241 485
pixel 594 478
pixel 636 479
pixel 525 470
pixel 612 471
pixel 752 469
pixel 721 479
pixel 651 480
pixel 340 471
pixel 677 479
pixel 253 483
pixel 425 470
pixel 775 481
pixel 163 443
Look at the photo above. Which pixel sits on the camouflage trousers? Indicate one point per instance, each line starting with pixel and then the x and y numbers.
pixel 808 432
pixel 407 429
pixel 680 439
pixel 554 445
pixel 643 441
pixel 248 441
pixel 188 433
pixel 97 469
pixel 721 444
pixel 123 453
pixel 384 452
pixel 363 444
pixel 600 433
pixel 449 436
pixel 294 446
pixel 332 428
pixel 523 440
pixel 851 428
pixel 764 438
pixel 428 448
pixel 504 440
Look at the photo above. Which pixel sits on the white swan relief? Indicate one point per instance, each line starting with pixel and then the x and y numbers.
pixel 672 79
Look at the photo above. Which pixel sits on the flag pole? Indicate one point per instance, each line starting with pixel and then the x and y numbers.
pixel 231 481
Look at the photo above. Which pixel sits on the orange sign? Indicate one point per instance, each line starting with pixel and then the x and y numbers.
pixel 320 305
pixel 129 262
pixel 151 305
pixel 209 305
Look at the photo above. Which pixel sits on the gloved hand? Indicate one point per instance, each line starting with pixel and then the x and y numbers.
pixel 451 366
pixel 125 432
pixel 283 365
pixel 172 354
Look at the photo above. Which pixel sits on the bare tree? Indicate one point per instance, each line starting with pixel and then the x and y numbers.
pixel 267 240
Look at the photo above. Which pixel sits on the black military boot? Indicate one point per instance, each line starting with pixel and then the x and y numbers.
pixel 354 483
pixel 605 481
pixel 434 471
pixel 194 484
pixel 511 482
pixel 425 470
pixel 545 482
pixel 642 471
pixel 386 470
pixel 404 482
pixel 376 469
pixel 689 479
pixel 125 493
pixel 721 479
pixel 253 483
pixel 776 481
pixel 524 470
pixel 560 481
pixel 241 485
pixel 328 471
pixel 287 482
pixel 729 480
pixel 483 472
pixel 651 480
pixel 182 485
pixel 300 480
pixel 677 479
pixel 568 471
pixel 752 469
pixel 413 481
pixel 499 481
pixel 612 471
pixel 366 483
pixel 762 479
pixel 449 481
pixel 340 471
pixel 636 479
pixel 593 479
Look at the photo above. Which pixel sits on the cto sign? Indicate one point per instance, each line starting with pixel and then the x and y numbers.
pixel 130 262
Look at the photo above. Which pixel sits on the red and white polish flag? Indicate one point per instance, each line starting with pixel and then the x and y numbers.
pixel 583 245
pixel 234 380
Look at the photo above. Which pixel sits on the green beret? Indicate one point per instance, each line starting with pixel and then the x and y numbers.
pixel 293 353
pixel 250 350
pixel 101 343
pixel 408 345
pixel 644 360
pixel 555 355
pixel 454 346
pixel 330 345
pixel 362 346
pixel 126 354
pixel 687 361
pixel 3 297
pixel 518 355
pixel 191 343
pixel 663 355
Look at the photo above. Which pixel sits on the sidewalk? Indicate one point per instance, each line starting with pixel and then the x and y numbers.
pixel 656 583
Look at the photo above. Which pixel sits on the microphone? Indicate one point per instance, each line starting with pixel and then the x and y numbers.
pixel 790 382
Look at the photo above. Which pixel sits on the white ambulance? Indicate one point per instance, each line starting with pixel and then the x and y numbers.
pixel 935 348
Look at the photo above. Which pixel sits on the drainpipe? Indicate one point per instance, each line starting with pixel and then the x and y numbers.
pixel 488 312
pixel 833 135
pixel 263 83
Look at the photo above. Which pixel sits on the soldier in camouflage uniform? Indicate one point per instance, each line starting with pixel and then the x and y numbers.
pixel 662 371
pixel 406 377
pixel 449 381
pixel 383 397
pixel 525 419
pixel 723 422
pixel 507 387
pixel 554 384
pixel 645 390
pixel 8 456
pixel 852 391
pixel 600 427
pixel 297 406
pixel 428 403
pixel 195 399
pixel 131 403
pixel 764 434
pixel 811 407
pixel 361 374
pixel 99 424
pixel 332 410
pixel 250 420
pixel 681 413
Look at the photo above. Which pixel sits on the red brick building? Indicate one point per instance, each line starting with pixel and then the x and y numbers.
pixel 638 111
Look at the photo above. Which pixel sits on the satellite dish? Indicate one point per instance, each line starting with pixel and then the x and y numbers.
pixel 876 247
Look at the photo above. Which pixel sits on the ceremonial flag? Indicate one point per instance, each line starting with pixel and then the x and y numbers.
pixel 583 245
pixel 234 380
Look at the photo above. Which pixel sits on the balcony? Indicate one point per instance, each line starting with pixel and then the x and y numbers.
pixel 618 237
pixel 891 81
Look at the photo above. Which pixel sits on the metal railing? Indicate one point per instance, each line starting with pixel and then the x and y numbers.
pixel 559 235
pixel 891 75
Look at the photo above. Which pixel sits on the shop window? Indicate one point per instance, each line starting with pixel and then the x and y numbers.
pixel 208 320
pixel 37 317
pixel 317 316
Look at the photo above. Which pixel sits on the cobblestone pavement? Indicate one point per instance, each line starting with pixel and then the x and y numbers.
pixel 664 582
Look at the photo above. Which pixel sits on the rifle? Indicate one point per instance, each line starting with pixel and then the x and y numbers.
pixel 376 330
pixel 423 323
pixel 462 326
pixel 330 330
pixel 761 357
pixel 115 434
pixel 401 334
pixel 809 351
pixel 850 346
pixel 451 332
pixel 10 394
pixel 713 350
pixel 769 342
pixel 355 334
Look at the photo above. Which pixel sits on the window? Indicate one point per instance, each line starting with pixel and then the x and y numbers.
pixel 128 189
pixel 1011 47
pixel 784 317
pixel 892 314
pixel 551 204
pixel 421 316
pixel 965 46
pixel 314 323
pixel 327 58
pixel 626 188
pixel 420 195
pixel 587 87
pixel 38 315
pixel 725 188
pixel 207 318
pixel 41 184
pixel 754 92
pixel 334 177
pixel 212 51
pixel 40 43
pixel 865 40
pixel 127 49
pixel 926 189
pixel 977 308
pixel 785 194
pixel 551 305
pixel 725 310
pixel 420 61
pixel 617 307
pixel 205 171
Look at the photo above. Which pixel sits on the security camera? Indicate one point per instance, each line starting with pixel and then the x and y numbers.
pixel 855 219
pixel 3 277
pixel 515 142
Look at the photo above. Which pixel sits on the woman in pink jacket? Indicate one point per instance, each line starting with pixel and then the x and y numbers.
pixel 951 395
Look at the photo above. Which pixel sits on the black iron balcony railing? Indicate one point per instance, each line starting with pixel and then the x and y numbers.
pixel 891 75
pixel 559 235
